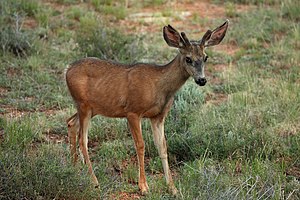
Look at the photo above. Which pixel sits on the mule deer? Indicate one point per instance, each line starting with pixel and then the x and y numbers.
pixel 137 91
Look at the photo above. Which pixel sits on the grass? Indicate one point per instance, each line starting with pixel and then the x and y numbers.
pixel 245 146
pixel 107 7
pixel 64 181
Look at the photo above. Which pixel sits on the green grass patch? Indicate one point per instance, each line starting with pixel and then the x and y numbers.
pixel 290 9
pixel 255 28
pixel 42 174
pixel 153 2
pixel 205 179
pixel 108 7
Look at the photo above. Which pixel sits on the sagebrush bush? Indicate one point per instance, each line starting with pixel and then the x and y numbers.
pixel 15 40
pixel 12 37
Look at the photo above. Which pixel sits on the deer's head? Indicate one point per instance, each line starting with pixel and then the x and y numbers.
pixel 192 53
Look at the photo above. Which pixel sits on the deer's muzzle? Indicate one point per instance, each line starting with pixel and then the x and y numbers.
pixel 201 81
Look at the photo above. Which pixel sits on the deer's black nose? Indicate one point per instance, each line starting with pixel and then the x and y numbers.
pixel 201 81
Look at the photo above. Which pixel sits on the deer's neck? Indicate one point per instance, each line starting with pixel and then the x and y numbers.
pixel 174 75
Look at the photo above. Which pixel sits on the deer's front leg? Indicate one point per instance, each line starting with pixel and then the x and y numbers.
pixel 136 131
pixel 157 125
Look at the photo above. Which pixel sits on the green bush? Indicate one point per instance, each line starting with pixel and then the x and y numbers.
pixel 96 40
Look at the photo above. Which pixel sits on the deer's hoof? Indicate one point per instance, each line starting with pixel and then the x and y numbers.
pixel 173 190
pixel 95 182
pixel 144 192
pixel 144 189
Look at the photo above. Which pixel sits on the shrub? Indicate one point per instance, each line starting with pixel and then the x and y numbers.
pixel 96 40
pixel 13 39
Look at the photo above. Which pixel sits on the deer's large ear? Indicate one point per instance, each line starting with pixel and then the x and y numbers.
pixel 214 37
pixel 172 37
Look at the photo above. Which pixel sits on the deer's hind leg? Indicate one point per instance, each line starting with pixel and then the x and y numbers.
pixel 85 114
pixel 73 129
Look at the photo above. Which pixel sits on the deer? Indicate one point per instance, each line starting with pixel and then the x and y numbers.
pixel 134 92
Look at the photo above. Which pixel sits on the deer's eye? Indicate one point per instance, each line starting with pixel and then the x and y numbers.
pixel 188 60
pixel 205 58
